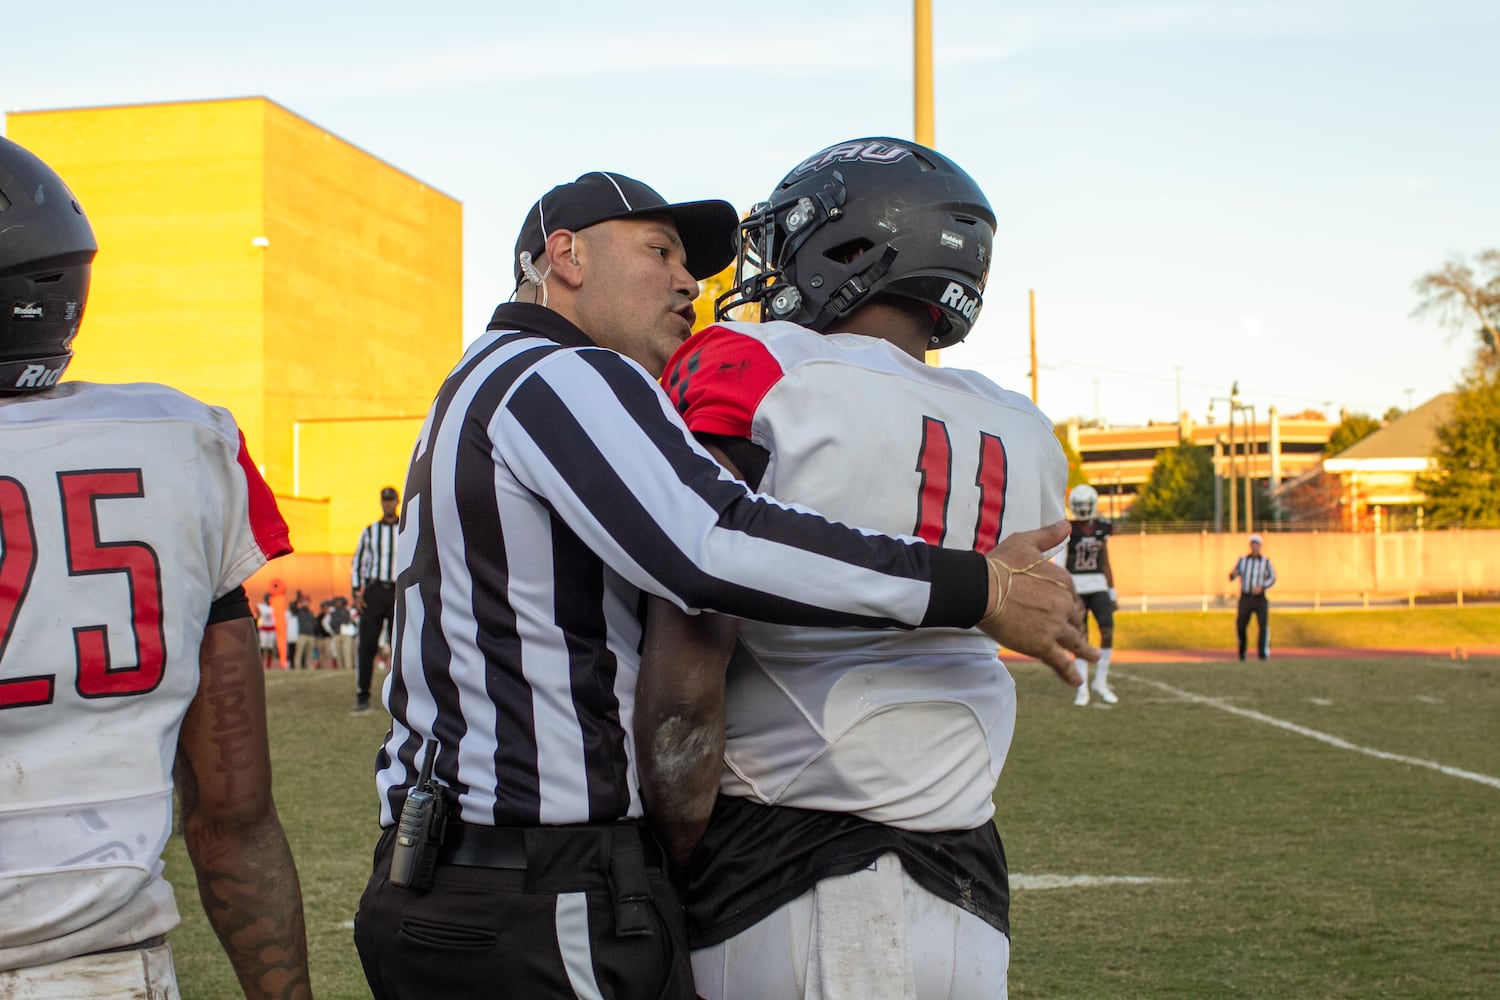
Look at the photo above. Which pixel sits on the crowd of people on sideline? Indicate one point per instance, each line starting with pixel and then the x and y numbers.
pixel 315 640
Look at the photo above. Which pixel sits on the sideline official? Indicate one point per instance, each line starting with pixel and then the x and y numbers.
pixel 373 579
pixel 1256 577
pixel 551 486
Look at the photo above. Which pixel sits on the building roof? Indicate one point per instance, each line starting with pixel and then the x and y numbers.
pixel 1410 438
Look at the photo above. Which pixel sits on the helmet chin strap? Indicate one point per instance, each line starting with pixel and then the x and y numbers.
pixel 856 288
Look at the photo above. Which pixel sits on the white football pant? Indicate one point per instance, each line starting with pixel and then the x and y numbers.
pixel 138 974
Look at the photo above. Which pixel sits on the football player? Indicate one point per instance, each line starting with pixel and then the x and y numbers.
pixel 851 849
pixel 1088 560
pixel 130 516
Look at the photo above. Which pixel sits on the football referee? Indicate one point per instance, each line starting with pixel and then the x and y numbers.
pixel 373 583
pixel 1256 577
pixel 552 486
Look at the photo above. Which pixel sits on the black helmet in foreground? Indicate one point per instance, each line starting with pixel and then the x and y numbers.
pixel 46 249
pixel 867 218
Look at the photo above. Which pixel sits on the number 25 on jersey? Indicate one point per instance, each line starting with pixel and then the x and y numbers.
pixel 87 554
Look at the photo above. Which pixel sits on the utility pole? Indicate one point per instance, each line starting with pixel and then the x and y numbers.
pixel 1032 295
pixel 922 63
pixel 922 126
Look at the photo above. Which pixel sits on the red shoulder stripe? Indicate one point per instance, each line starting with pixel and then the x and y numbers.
pixel 717 380
pixel 266 523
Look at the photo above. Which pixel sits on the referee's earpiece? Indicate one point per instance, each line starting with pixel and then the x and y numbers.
pixel 573 254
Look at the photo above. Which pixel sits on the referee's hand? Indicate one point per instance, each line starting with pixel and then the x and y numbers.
pixel 1033 608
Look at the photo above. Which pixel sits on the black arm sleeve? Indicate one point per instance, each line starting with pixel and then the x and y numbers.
pixel 229 607
pixel 750 458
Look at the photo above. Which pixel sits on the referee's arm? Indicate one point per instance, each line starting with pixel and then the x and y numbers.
pixel 593 435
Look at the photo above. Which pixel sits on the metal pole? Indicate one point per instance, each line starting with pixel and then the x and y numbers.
pixel 922 125
pixel 1250 472
pixel 1218 483
pixel 1234 510
pixel 1032 295
pixel 922 38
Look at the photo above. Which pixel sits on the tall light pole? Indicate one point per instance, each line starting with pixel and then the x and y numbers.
pixel 1032 296
pixel 922 127
pixel 922 64
pixel 1247 429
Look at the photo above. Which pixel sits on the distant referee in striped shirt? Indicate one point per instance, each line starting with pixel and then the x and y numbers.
pixel 552 487
pixel 1256 577
pixel 373 579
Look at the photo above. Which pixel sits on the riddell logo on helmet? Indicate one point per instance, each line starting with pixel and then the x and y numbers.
pixel 848 152
pixel 26 310
pixel 955 299
pixel 38 377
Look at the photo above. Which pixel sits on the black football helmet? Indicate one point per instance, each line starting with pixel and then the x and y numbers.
pixel 863 218
pixel 46 250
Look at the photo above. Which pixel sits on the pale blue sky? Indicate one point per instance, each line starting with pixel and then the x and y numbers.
pixel 1200 192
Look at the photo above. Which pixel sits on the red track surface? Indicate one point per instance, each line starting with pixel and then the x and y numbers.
pixel 1297 653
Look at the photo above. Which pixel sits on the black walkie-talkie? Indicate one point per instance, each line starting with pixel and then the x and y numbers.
pixel 420 832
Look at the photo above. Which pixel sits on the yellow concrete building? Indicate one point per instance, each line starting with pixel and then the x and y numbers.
pixel 261 263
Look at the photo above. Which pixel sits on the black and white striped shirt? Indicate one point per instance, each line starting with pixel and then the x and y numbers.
pixel 375 557
pixel 551 485
pixel 1254 571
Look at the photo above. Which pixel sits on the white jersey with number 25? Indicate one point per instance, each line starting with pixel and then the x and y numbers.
pixel 125 511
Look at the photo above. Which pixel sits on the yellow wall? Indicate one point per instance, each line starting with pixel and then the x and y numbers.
pixel 327 343
pixel 379 448
pixel 174 193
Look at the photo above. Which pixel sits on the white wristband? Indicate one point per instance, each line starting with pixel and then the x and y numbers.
pixel 1112 595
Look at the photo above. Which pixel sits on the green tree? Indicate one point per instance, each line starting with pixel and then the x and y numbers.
pixel 1181 487
pixel 1355 427
pixel 1075 464
pixel 1464 488
pixel 1462 297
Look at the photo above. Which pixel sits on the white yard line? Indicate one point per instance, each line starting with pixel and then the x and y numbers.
pixel 1019 881
pixel 1313 734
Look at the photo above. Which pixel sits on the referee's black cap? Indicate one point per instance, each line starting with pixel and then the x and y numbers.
pixel 709 229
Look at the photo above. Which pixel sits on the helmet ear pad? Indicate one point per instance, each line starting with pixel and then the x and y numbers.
pixel 863 218
pixel 46 253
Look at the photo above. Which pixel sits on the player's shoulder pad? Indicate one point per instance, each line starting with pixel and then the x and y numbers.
pixel 718 377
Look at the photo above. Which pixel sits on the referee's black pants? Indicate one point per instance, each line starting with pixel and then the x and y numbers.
pixel 1257 605
pixel 579 911
pixel 380 610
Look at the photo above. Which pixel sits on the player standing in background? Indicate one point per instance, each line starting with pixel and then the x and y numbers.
pixel 1088 561
pixel 130 516
pixel 851 849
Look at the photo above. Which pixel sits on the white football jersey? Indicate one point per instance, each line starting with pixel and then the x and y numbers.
pixel 125 511
pixel 906 728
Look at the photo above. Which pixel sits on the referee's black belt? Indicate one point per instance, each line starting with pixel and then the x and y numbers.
pixel 373 584
pixel 474 846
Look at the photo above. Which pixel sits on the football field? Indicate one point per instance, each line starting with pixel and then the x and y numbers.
pixel 1303 828
pixel 1307 828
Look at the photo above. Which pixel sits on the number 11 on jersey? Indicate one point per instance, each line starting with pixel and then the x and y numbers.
pixel 935 464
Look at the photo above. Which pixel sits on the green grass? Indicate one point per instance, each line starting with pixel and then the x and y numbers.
pixel 1351 628
pixel 1290 868
pixel 324 762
